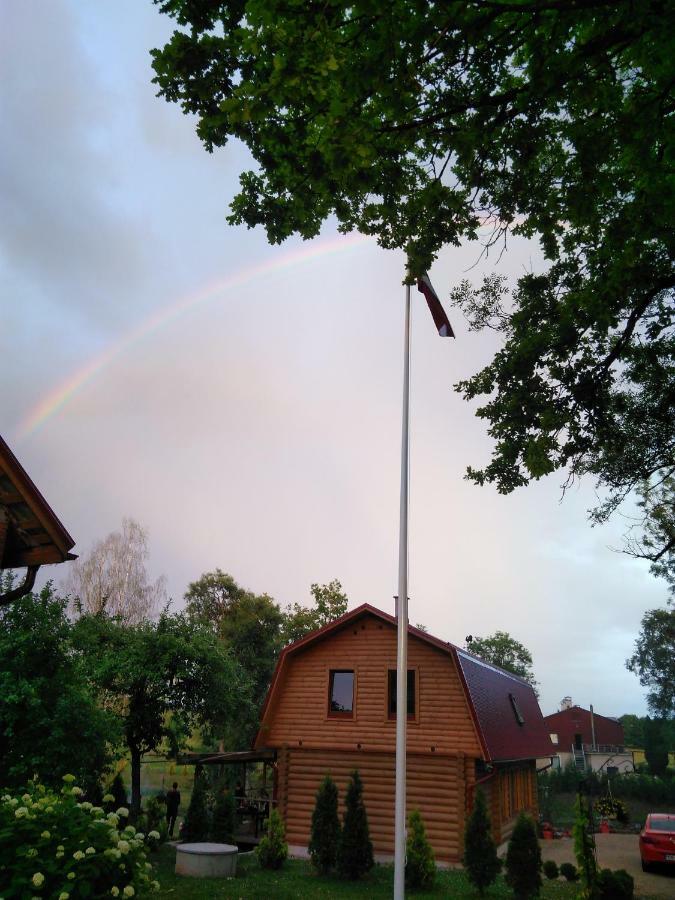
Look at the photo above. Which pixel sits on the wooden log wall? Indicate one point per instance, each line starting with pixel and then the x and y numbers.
pixel 436 785
pixel 298 714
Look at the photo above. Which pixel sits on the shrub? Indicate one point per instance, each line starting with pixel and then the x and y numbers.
pixel 523 859
pixel 355 850
pixel 569 871
pixel 273 849
pixel 152 821
pixel 223 823
pixel 617 885
pixel 196 823
pixel 325 832
pixel 551 869
pixel 118 791
pixel 420 867
pixel 62 848
pixel 480 854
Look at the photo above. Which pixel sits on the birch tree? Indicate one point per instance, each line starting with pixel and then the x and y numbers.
pixel 113 578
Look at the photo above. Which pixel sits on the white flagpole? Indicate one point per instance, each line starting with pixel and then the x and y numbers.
pixel 402 630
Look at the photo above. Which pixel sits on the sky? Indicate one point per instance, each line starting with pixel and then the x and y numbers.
pixel 243 401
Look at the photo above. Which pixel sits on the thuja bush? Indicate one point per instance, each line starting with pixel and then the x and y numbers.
pixel 569 871
pixel 196 825
pixel 325 831
pixel 224 819
pixel 420 866
pixel 55 846
pixel 355 849
pixel 480 853
pixel 523 859
pixel 273 849
pixel 551 869
pixel 618 885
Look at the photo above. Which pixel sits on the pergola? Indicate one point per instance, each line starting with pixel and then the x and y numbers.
pixel 31 535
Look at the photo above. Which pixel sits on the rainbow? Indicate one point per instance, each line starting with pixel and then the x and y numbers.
pixel 53 402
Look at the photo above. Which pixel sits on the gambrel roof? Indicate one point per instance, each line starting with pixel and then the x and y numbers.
pixel 504 707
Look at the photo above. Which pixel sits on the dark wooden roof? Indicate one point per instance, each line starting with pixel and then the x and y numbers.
pixel 34 535
pixel 504 707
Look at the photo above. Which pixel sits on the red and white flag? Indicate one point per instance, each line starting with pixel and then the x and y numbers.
pixel 441 321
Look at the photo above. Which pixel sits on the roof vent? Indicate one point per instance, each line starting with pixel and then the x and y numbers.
pixel 516 711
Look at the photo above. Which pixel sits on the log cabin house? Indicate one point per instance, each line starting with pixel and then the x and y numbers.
pixel 331 708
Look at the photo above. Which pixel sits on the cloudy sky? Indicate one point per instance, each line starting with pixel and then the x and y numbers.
pixel 242 401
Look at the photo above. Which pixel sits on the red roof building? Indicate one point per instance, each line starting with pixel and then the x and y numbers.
pixel 576 727
pixel 331 709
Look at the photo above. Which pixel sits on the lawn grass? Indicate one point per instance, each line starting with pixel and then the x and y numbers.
pixel 297 879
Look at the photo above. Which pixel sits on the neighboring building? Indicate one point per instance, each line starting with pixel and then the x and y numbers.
pixel 331 708
pixel 587 740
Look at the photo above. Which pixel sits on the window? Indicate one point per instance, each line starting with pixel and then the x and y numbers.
pixel 554 738
pixel 391 699
pixel 341 693
pixel 516 711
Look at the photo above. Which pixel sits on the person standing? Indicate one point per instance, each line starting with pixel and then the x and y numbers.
pixel 172 804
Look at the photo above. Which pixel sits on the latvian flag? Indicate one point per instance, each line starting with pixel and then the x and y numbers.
pixel 441 321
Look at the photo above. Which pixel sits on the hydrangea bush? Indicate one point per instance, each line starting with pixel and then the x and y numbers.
pixel 56 847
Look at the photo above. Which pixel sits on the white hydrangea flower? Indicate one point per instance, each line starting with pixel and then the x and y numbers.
pixel 38 879
pixel 70 876
pixel 21 812
pixel 108 798
pixel 113 818
pixel 26 798
pixel 13 801
pixel 96 811
pixel 155 885
pixel 78 854
pixel 128 891
pixel 45 834
pixel 123 846
pixel 140 836
pixel 90 851
pixel 77 791
pixel 64 896
pixel 115 891
pixel 69 779
pixel 154 835
pixel 122 811
pixel 86 805
pixel 31 853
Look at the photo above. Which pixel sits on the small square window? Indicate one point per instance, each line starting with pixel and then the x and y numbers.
pixel 341 693
pixel 516 711
pixel 391 699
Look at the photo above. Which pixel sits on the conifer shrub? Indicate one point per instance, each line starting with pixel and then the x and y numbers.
pixel 273 849
pixel 118 791
pixel 420 866
pixel 551 870
pixel 480 858
pixel 355 849
pixel 618 885
pixel 224 819
pixel 325 833
pixel 523 859
pixel 196 822
pixel 569 871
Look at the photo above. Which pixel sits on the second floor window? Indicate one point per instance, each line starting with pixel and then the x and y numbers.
pixel 341 693
pixel 391 700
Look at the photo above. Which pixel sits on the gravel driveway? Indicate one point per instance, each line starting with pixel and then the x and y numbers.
pixel 617 851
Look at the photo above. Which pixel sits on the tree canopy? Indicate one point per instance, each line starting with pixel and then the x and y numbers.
pixel 162 680
pixel 330 602
pixel 418 123
pixel 112 577
pixel 504 651
pixel 654 660
pixel 50 723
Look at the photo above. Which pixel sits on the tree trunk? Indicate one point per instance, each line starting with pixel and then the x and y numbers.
pixel 135 782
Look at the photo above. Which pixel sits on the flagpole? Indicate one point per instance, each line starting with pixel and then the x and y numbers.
pixel 402 629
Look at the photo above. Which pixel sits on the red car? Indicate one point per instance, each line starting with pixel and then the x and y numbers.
pixel 657 840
